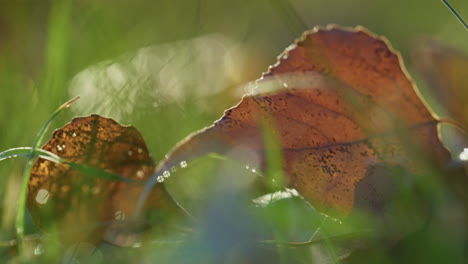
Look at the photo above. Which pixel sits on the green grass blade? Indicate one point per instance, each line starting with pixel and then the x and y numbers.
pixel 15 152
pixel 92 171
pixel 57 50
pixel 85 169
pixel 290 16
pixel 46 125
pixel 455 13
pixel 27 173
pixel 100 173
pixel 22 204
pixel 274 157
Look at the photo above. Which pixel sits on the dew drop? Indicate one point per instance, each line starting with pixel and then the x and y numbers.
pixel 59 148
pixel 42 196
pixel 140 174
pixel 137 245
pixel 39 249
pixel 254 170
pixel 74 134
pixel 119 215
pixel 65 188
pixel 464 154
pixel 173 169
pixel 183 164
pixel 285 85
pixel 160 178
pixel 96 190
pixel 140 150
pixel 247 167
pixel 166 174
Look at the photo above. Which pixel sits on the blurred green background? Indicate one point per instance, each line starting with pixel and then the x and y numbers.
pixel 168 67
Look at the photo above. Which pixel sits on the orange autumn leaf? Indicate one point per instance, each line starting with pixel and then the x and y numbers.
pixel 339 101
pixel 82 206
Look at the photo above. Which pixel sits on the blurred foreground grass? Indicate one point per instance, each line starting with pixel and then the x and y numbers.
pixel 170 68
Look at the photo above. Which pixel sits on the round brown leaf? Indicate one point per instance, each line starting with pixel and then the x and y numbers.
pixel 341 104
pixel 83 206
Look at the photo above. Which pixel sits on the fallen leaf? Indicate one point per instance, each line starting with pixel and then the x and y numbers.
pixel 339 101
pixel 446 72
pixel 84 207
